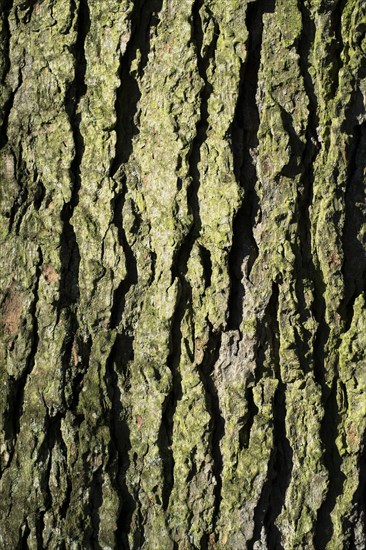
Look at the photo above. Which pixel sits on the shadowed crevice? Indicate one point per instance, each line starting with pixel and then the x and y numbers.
pixel 6 7
pixel 312 145
pixel 217 423
pixel 354 260
pixel 244 141
pixel 16 402
pixel 305 268
pixel 5 10
pixel 282 468
pixel 205 256
pixel 131 278
pixel 205 370
pixel 359 499
pixel 96 500
pixel 305 197
pixel 353 271
pixel 272 496
pixel 282 459
pixel 52 437
pixel 24 536
pixel 6 109
pixel 330 422
pixel 248 420
pixel 144 20
pixel 280 465
pixel 336 58
pixel 121 354
pixel 180 262
pixel 75 358
pixel 165 437
pixel 333 462
pixel 69 251
pixel 328 431
pixel 212 348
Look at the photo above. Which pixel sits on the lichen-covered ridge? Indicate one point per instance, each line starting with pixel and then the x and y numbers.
pixel 182 309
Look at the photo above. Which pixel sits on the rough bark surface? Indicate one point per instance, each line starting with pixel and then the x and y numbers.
pixel 183 252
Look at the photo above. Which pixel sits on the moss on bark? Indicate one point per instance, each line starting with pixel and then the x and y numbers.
pixel 182 318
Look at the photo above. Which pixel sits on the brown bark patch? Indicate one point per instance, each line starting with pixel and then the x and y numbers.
pixel 353 438
pixel 74 353
pixel 8 167
pixel 50 274
pixel 11 311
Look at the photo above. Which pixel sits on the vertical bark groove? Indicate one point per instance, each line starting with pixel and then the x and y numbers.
pixel 143 20
pixel 245 141
pixel 17 402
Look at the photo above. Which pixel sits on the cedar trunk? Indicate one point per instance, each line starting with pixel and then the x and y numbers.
pixel 183 260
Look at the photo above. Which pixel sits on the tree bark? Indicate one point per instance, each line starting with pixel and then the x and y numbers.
pixel 183 251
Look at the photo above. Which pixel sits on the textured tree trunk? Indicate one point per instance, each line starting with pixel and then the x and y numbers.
pixel 183 260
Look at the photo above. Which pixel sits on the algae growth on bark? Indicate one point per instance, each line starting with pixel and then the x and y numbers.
pixel 183 256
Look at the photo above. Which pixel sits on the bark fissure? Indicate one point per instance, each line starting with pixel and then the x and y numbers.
pixel 244 144
pixel 358 501
pixel 69 251
pixel 143 23
pixel 207 265
pixel 131 278
pixel 281 463
pixel 211 356
pixel 333 462
pixel 180 267
pixel 354 263
pixel 6 9
pixel 143 20
pixel 211 351
pixel 120 437
pixel 282 468
pixel 310 156
pixel 310 152
pixel 96 500
pixel 16 405
pixel 69 248
pixel 336 20
pixel 7 110
pixel 73 383
pixel 20 204
pixel 248 420
pixel 44 456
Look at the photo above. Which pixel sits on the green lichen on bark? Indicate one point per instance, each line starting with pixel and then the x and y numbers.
pixel 182 317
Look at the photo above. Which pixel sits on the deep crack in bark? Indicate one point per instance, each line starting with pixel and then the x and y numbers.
pixel 70 255
pixel 180 267
pixel 280 465
pixel 17 402
pixel 121 353
pixel 244 142
pixel 143 22
pixel 144 19
pixel 5 9
pixel 69 250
